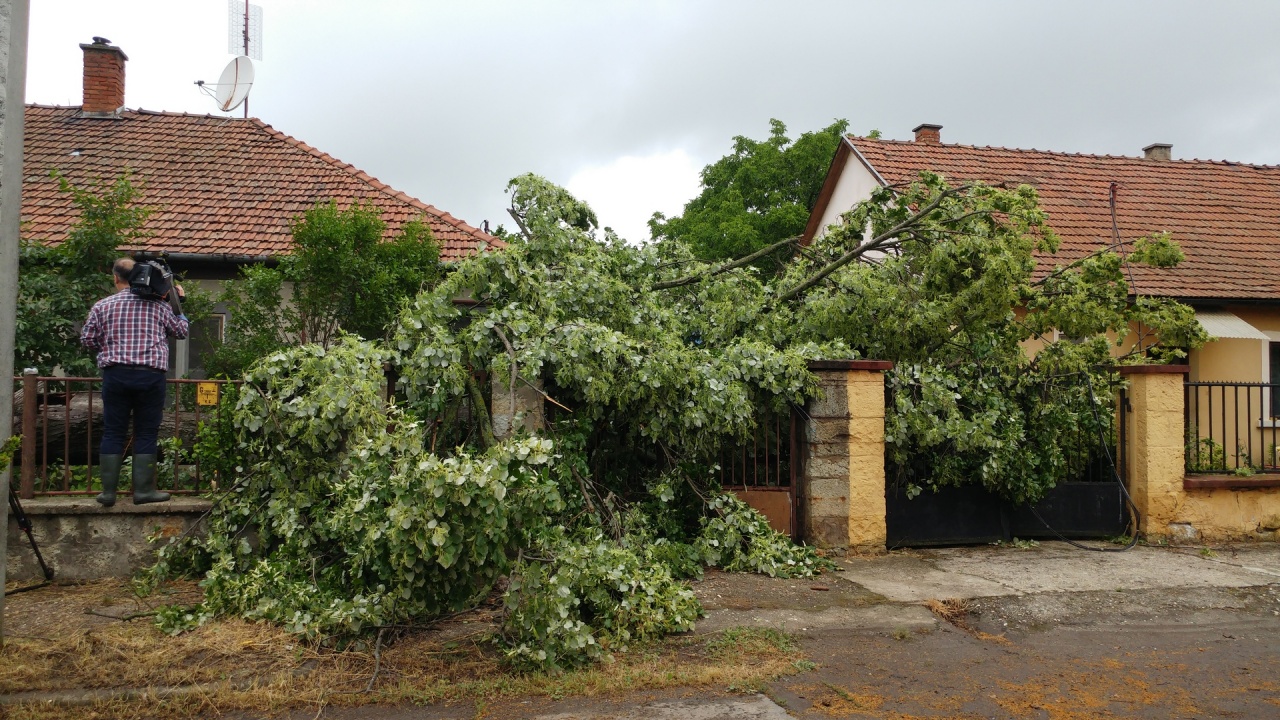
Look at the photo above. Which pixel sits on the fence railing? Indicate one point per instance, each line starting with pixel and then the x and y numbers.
pixel 765 461
pixel 1232 427
pixel 61 426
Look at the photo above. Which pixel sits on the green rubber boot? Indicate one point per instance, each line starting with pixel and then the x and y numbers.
pixel 144 481
pixel 109 465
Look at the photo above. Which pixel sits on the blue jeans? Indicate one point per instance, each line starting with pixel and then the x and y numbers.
pixel 137 391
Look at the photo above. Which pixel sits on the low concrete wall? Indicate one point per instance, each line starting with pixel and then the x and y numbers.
pixel 1173 508
pixel 81 540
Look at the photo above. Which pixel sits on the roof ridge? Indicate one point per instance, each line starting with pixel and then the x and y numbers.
pixel 377 184
pixel 1063 153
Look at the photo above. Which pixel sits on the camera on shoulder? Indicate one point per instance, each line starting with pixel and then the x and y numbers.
pixel 151 279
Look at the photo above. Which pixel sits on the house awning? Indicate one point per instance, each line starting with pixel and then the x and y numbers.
pixel 1222 324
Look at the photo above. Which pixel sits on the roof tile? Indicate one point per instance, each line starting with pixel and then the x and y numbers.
pixel 1224 215
pixel 218 186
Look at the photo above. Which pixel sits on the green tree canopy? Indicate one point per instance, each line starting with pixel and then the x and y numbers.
pixel 759 194
pixel 350 512
pixel 344 277
pixel 58 284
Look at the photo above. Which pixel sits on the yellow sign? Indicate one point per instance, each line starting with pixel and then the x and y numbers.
pixel 206 393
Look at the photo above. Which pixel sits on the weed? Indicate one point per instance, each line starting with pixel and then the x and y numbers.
pixel 901 634
pixel 804 665
pixel 1207 552
pixel 750 640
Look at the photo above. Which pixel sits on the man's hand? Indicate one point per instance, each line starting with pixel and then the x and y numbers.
pixel 181 295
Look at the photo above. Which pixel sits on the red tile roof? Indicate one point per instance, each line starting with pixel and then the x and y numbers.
pixel 1224 215
pixel 219 186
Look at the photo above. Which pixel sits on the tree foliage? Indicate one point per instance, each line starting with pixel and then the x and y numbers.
pixel 342 276
pixel 759 194
pixel 936 285
pixel 58 284
pixel 351 512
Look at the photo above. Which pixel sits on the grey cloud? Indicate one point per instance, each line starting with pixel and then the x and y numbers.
pixel 447 101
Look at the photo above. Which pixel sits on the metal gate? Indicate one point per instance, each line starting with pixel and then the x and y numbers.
pixel 1088 503
pixel 763 471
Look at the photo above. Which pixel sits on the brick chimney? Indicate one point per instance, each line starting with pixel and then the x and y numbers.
pixel 926 133
pixel 1158 151
pixel 103 79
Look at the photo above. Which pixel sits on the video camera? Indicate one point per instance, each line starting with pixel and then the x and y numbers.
pixel 151 279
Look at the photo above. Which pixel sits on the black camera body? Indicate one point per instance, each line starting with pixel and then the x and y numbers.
pixel 151 279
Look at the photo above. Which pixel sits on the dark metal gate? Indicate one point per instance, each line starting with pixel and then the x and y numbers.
pixel 1089 503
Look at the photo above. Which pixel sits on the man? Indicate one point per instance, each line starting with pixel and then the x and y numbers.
pixel 130 334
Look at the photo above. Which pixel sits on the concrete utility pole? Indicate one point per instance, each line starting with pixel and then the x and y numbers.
pixel 13 86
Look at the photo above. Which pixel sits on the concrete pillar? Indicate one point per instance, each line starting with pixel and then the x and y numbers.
pixel 13 83
pixel 843 483
pixel 1155 444
pixel 510 410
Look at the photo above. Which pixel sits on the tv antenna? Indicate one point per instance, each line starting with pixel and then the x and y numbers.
pixel 244 34
pixel 232 88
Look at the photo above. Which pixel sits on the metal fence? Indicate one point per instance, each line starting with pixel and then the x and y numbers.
pixel 61 426
pixel 764 461
pixel 1232 427
pixel 768 463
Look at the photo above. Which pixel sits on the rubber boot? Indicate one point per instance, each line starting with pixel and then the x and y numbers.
pixel 109 465
pixel 144 481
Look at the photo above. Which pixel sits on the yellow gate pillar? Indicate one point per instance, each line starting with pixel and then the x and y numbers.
pixel 843 483
pixel 1155 443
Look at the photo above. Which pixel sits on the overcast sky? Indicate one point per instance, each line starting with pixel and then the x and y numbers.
pixel 624 102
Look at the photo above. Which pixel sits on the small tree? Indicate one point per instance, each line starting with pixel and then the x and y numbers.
pixel 344 278
pixel 58 284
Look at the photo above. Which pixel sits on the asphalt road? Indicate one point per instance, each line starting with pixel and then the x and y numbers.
pixel 1047 632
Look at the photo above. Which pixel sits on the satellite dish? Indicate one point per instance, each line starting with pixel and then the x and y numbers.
pixel 235 83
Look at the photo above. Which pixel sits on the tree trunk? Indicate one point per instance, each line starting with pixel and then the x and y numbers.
pixel 73 434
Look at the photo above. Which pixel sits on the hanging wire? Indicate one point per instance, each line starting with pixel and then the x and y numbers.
pixel 1135 516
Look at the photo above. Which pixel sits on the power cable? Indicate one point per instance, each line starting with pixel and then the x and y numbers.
pixel 1135 516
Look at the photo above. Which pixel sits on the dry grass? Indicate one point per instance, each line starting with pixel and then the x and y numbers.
pixel 237 666
pixel 953 610
pixel 956 612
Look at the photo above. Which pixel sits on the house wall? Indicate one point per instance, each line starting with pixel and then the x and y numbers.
pixel 854 185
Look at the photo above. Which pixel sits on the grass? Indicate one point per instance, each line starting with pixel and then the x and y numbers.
pixel 238 666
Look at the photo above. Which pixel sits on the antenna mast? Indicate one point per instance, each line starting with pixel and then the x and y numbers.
pixel 246 50
pixel 245 36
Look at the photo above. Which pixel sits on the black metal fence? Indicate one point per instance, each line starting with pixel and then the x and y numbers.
pixel 1232 427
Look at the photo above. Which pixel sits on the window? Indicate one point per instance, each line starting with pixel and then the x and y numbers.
pixel 206 336
pixel 189 355
pixel 1275 379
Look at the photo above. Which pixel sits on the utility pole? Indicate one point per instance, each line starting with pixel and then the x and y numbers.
pixel 14 16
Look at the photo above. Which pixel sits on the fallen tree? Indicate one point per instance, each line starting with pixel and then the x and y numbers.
pixel 348 513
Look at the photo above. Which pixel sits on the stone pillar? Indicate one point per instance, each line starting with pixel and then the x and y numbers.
pixel 1155 444
pixel 843 484
pixel 511 410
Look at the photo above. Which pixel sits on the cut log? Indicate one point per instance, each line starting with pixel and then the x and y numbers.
pixel 73 433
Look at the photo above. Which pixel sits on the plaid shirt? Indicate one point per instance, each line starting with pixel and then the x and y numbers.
pixel 128 330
